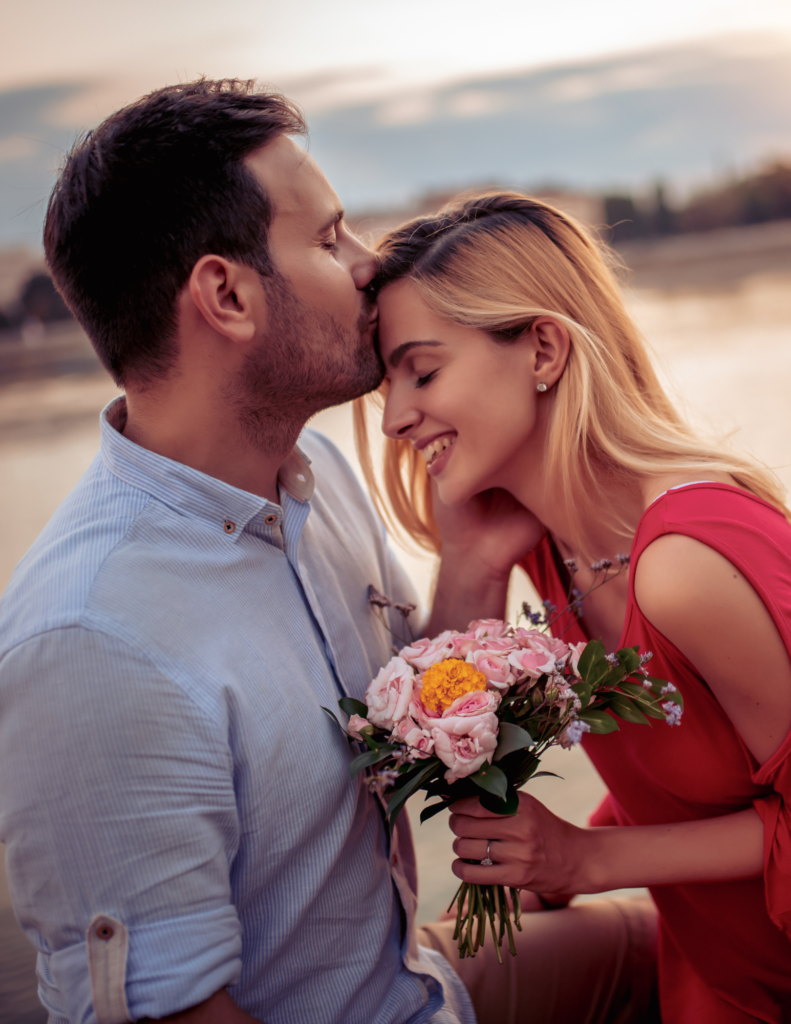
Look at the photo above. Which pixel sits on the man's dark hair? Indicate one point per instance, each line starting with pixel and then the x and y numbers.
pixel 142 197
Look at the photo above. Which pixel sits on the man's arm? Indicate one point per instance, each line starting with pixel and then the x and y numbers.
pixel 117 799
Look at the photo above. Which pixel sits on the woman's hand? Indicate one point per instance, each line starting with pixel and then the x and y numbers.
pixel 536 850
pixel 482 540
pixel 533 849
pixel 492 528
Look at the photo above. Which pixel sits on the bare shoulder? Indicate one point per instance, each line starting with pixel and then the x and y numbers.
pixel 707 609
pixel 678 578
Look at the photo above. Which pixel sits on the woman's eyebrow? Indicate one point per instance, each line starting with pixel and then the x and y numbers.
pixel 398 353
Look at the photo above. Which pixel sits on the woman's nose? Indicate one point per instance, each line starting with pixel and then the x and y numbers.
pixel 399 420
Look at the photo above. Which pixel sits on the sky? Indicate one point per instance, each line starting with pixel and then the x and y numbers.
pixel 408 95
pixel 130 46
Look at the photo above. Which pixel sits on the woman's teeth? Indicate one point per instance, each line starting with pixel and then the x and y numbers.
pixel 436 448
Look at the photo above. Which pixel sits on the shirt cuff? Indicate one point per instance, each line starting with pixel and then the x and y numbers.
pixel 172 965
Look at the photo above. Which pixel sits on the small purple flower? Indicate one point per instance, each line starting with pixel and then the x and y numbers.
pixel 571 565
pixel 575 730
pixel 377 599
pixel 549 606
pixel 606 563
pixel 535 618
pixel 405 609
pixel 673 712
pixel 645 658
pixel 596 566
pixel 647 684
pixel 622 559
pixel 613 659
pixel 668 688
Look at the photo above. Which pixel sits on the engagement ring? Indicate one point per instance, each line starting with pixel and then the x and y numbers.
pixel 487 861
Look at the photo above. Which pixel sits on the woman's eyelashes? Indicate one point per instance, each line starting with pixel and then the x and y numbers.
pixel 422 381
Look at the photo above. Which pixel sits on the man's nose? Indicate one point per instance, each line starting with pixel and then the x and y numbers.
pixel 363 265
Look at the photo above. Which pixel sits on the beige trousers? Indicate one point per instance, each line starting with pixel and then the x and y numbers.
pixel 587 964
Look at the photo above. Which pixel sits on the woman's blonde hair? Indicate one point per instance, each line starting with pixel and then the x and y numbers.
pixel 496 262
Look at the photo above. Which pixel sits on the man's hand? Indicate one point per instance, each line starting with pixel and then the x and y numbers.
pixel 482 540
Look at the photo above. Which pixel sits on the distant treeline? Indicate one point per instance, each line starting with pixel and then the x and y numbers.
pixel 754 199
pixel 38 301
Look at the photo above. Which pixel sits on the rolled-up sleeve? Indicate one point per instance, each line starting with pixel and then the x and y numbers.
pixel 117 798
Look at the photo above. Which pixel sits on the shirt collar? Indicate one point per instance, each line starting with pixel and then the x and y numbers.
pixel 187 490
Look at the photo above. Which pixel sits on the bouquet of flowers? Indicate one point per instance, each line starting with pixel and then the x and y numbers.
pixel 471 713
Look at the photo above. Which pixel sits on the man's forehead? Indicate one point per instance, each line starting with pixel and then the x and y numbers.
pixel 293 180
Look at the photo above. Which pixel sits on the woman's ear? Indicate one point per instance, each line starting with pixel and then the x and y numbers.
pixel 551 345
pixel 229 296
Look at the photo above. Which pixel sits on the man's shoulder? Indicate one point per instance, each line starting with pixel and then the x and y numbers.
pixel 51 585
pixel 337 483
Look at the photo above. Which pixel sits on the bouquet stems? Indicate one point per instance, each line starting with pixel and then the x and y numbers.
pixel 475 904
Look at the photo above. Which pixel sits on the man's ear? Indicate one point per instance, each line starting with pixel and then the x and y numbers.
pixel 229 296
pixel 552 344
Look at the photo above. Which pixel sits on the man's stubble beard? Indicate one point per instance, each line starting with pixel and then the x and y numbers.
pixel 306 361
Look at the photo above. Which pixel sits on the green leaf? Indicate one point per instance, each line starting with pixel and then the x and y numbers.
pixel 629 659
pixel 634 690
pixel 600 722
pixel 499 805
pixel 594 652
pixel 408 787
pixel 350 706
pixel 369 758
pixel 512 737
pixel 652 709
pixel 335 720
pixel 584 691
pixel 490 778
pixel 431 810
pixel 626 710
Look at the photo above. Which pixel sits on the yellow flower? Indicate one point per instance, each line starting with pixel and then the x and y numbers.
pixel 447 681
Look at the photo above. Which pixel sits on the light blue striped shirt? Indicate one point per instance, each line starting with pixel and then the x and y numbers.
pixel 165 649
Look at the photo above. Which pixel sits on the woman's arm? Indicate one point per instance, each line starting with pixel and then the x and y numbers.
pixel 709 611
pixel 537 850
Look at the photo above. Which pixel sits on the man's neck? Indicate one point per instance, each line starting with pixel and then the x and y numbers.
pixel 201 432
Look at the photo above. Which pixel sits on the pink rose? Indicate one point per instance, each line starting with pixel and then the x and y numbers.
pixel 388 695
pixel 476 703
pixel 463 643
pixel 418 740
pixel 495 667
pixel 488 628
pixel 539 653
pixel 576 653
pixel 464 743
pixel 424 653
pixel 356 725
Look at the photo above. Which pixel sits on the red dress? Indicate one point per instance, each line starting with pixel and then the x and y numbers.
pixel 725 947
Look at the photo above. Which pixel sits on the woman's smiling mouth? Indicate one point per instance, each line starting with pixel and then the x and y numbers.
pixel 434 451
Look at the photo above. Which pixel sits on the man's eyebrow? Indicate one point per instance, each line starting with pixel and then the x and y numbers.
pixel 334 219
pixel 398 353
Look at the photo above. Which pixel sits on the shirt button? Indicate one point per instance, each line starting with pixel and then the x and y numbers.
pixel 104 932
pixel 270 519
pixel 228 526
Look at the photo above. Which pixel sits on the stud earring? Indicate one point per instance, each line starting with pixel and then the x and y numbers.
pixel 541 386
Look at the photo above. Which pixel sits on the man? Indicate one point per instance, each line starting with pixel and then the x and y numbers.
pixel 183 837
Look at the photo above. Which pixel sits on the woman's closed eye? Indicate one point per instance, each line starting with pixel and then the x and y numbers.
pixel 422 381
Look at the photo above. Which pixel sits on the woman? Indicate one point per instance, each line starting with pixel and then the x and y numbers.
pixel 513 366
